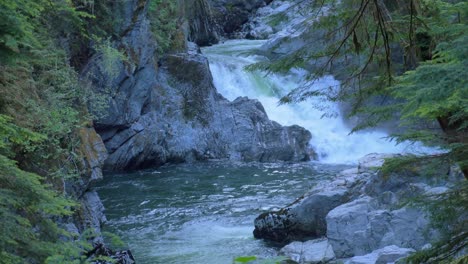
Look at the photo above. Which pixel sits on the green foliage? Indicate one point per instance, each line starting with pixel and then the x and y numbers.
pixel 111 58
pixel 164 17
pixel 27 205
pixel 21 20
pixel 437 90
pixel 255 259
pixel 244 259
pixel 277 19
pixel 113 240
pixel 405 60
pixel 397 59
pixel 42 104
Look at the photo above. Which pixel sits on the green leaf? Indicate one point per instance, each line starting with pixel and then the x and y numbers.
pixel 245 259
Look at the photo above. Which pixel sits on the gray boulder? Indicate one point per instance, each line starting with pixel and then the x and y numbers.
pixel 348 227
pixel 92 214
pixel 303 219
pixel 310 252
pixel 362 210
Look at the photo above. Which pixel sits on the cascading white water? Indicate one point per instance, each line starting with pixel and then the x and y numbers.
pixel 330 136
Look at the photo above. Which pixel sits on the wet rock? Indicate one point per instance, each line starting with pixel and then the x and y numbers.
pixel 232 14
pixel 187 120
pixel 389 254
pixel 94 153
pixel 210 20
pixel 372 162
pixel 304 219
pixel 202 28
pixel 313 251
pixel 361 209
pixel 118 257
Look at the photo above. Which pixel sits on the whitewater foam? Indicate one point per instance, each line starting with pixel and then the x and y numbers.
pixel 331 138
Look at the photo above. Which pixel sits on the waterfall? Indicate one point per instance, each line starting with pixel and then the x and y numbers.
pixel 330 135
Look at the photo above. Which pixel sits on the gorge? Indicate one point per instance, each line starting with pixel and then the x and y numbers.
pixel 201 131
pixel 207 218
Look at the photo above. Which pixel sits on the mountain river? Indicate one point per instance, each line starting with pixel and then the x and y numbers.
pixel 204 212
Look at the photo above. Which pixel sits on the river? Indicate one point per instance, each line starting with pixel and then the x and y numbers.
pixel 204 212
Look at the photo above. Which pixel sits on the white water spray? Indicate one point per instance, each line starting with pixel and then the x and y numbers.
pixel 330 136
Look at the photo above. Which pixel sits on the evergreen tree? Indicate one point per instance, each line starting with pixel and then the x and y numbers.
pixel 41 105
pixel 404 58
pixel 409 56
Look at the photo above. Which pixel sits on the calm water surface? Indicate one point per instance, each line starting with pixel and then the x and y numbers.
pixel 204 212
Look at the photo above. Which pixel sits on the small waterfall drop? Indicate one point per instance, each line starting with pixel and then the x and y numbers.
pixel 330 136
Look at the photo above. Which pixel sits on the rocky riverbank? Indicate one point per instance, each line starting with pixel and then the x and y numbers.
pixel 363 214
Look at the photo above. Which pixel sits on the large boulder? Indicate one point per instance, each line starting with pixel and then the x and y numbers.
pixel 302 220
pixel 359 227
pixel 305 218
pixel 349 226
pixel 362 209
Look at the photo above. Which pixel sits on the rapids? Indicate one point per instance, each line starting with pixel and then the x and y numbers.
pixel 330 136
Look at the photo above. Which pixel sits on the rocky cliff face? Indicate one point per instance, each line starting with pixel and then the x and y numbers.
pixel 211 20
pixel 90 217
pixel 201 26
pixel 167 110
pixel 231 15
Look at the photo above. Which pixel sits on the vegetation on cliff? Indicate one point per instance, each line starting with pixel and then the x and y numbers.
pixel 44 106
pixel 40 107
